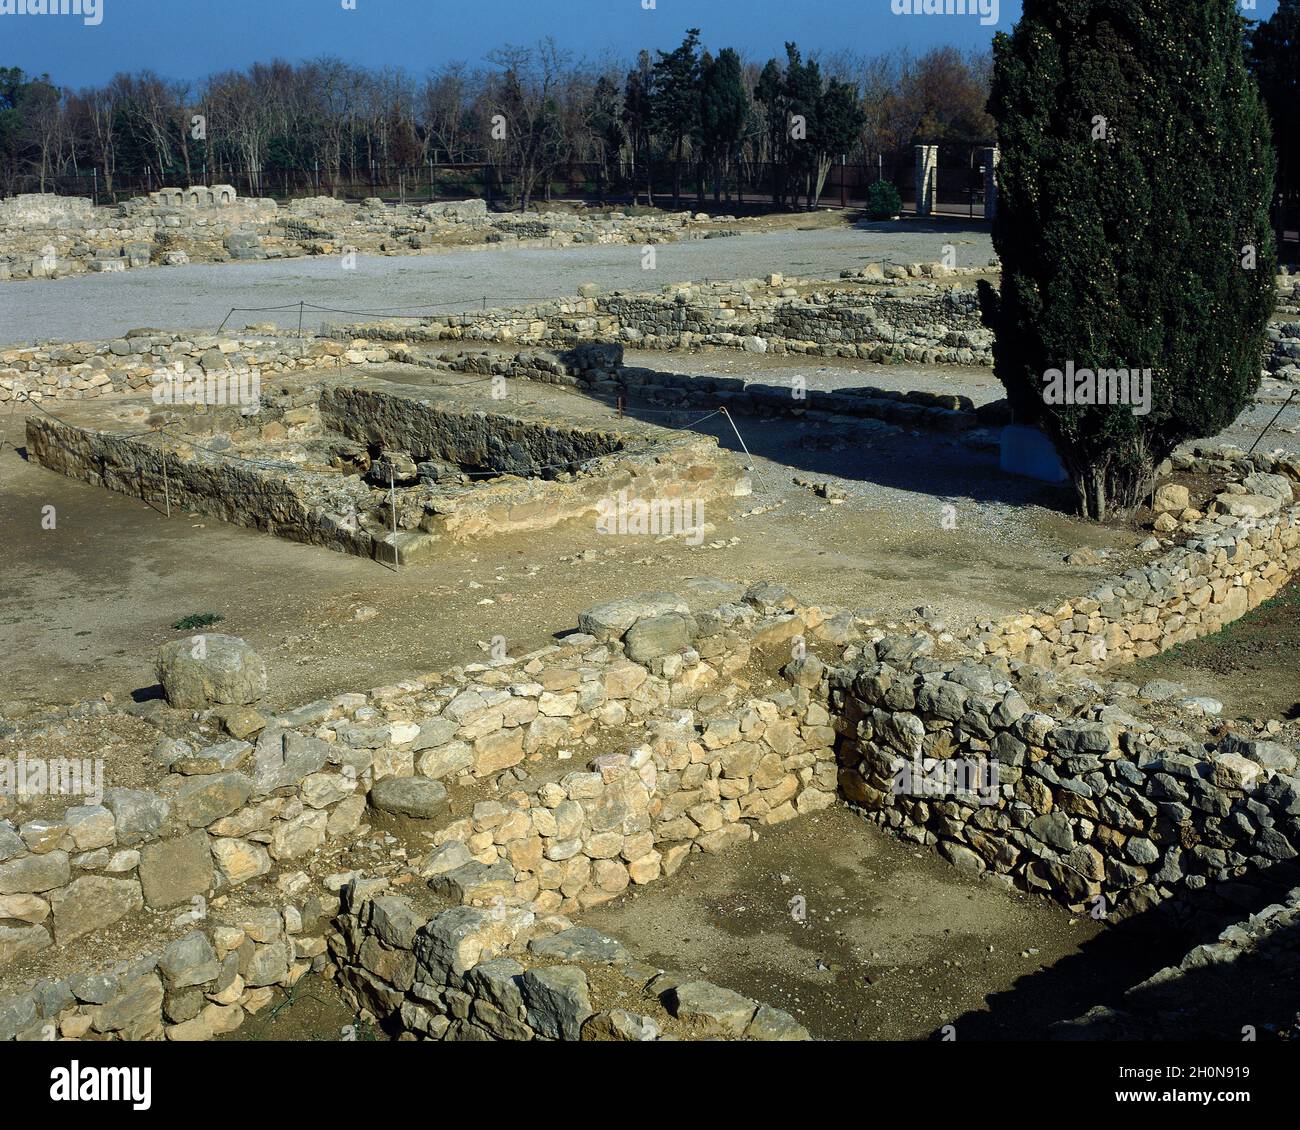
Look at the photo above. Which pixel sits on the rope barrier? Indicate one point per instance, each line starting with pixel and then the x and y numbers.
pixel 302 305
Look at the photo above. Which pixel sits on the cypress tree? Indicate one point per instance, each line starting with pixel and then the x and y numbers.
pixel 1132 225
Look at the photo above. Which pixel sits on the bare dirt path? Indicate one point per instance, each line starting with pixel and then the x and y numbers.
pixel 96 307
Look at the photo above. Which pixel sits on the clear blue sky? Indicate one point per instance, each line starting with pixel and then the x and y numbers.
pixel 194 38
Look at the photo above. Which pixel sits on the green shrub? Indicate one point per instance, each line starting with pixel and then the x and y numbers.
pixel 883 201
pixel 198 620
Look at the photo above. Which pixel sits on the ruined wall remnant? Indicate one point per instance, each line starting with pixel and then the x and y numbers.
pixel 282 470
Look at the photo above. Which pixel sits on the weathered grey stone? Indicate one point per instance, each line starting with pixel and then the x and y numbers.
pixel 654 636
pixel 139 815
pixel 457 939
pixel 11 843
pixel 172 872
pixel 91 826
pixel 1054 829
pixel 135 1011
pixel 221 758
pixel 52 997
pixel 210 668
pixel 187 961
pixel 772 1024
pixel 709 1008
pixel 395 921
pixel 90 903
pixel 619 1025
pixel 284 758
pixel 416 797
pixel 203 799
pixel 32 874
pixel 434 732
pixel 498 981
pixel 264 965
pixel 611 619
pixel 299 836
pixel 17 942
pixel 448 857
pixel 16 1014
pixel 320 790
pixel 444 760
pixel 558 1001
pixel 93 988
pixel 581 943
pixel 183 1005
pixel 476 882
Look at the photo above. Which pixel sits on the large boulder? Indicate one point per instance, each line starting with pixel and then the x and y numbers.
pixel 652 637
pixel 415 797
pixel 198 671
pixel 613 618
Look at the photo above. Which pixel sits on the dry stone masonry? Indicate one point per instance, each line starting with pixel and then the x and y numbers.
pixel 1239 551
pixel 237 821
pixel 864 317
pixel 1101 795
pixel 320 462
pixel 49 236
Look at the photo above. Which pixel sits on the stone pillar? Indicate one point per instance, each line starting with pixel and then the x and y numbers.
pixel 927 177
pixel 989 158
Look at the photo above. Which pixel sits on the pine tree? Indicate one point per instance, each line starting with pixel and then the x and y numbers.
pixel 769 92
pixel 1132 226
pixel 638 121
pixel 724 113
pixel 676 100
pixel 803 88
pixel 839 121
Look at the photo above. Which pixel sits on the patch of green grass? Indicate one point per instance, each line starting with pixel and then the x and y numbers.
pixel 197 620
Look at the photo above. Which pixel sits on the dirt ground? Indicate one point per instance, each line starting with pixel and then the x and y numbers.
pixel 87 604
pixel 313 1009
pixel 1252 666
pixel 895 943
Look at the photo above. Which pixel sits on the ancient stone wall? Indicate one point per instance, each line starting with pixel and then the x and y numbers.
pixel 1101 803
pixel 84 370
pixel 926 322
pixel 1239 555
pixel 1284 336
pixel 1091 800
pixel 598 369
pixel 264 490
pixel 466 437
pixel 474 974
pixel 48 236
pixel 242 810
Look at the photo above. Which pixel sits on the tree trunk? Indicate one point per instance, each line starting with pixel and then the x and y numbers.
pixel 677 176
pixel 1110 486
